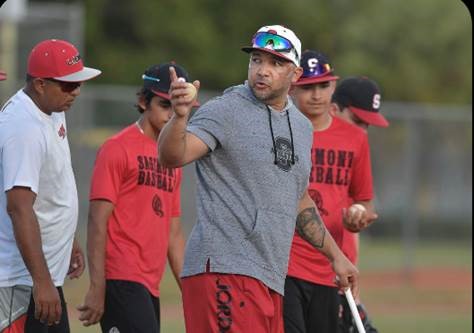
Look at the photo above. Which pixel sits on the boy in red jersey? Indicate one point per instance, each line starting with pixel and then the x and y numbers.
pixel 340 176
pixel 357 101
pixel 134 218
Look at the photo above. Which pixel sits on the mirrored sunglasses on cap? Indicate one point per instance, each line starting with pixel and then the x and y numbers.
pixel 316 69
pixel 272 41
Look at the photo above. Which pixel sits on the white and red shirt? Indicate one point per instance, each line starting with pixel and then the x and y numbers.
pixel 34 153
pixel 146 196
pixel 340 173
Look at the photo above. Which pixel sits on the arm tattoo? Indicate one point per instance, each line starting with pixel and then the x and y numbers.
pixel 310 227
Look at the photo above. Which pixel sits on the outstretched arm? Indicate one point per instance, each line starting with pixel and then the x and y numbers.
pixel 311 228
pixel 176 146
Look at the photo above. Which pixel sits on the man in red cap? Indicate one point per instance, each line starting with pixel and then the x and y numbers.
pixel 357 100
pixel 38 196
pixel 134 217
pixel 340 184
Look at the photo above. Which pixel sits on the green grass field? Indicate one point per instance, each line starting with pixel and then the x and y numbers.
pixel 435 298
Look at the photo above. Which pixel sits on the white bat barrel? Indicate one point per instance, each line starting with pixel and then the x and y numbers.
pixel 355 312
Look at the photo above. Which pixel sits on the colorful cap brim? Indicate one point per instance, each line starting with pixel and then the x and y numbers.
pixel 276 53
pixel 371 118
pixel 168 97
pixel 83 75
pixel 316 79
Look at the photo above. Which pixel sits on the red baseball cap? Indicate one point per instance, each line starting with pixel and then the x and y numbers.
pixel 59 60
pixel 362 96
pixel 316 69
pixel 3 75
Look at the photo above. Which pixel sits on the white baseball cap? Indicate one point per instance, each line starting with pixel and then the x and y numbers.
pixel 277 40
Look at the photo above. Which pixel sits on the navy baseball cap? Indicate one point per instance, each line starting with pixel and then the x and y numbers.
pixel 316 68
pixel 362 96
pixel 157 79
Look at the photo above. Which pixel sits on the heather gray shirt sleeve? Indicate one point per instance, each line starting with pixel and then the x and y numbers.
pixel 212 123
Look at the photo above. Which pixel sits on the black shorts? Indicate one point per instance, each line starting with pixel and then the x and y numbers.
pixel 33 325
pixel 309 307
pixel 130 308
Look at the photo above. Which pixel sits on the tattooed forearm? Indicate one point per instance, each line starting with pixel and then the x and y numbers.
pixel 310 227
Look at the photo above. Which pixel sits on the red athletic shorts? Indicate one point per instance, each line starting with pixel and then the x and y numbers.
pixel 230 303
pixel 18 326
pixel 14 302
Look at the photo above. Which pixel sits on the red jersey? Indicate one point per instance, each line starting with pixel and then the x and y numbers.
pixel 146 196
pixel 340 173
pixel 349 246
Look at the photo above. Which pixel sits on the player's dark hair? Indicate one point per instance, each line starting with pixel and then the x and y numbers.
pixel 340 105
pixel 29 78
pixel 147 96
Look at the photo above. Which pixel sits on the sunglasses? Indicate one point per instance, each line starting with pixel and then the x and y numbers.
pixel 314 68
pixel 275 42
pixel 66 87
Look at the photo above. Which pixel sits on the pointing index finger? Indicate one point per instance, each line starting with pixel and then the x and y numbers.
pixel 173 75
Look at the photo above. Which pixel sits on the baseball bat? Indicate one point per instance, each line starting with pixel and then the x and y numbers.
pixel 355 313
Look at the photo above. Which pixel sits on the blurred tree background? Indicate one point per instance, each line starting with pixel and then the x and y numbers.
pixel 419 50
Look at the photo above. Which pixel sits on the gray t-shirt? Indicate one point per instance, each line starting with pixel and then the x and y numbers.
pixel 246 204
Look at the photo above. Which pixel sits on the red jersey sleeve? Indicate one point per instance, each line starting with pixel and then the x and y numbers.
pixel 361 188
pixel 176 199
pixel 109 170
